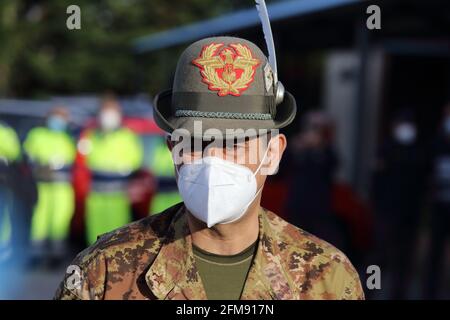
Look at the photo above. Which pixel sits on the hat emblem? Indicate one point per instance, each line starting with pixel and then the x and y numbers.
pixel 227 69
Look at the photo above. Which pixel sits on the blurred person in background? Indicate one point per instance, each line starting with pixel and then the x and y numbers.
pixel 440 213
pixel 313 162
pixel 399 185
pixel 51 151
pixel 167 191
pixel 9 155
pixel 113 153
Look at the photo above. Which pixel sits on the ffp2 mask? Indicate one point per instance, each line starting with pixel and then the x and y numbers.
pixel 217 191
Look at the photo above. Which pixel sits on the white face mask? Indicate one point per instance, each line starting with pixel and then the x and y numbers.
pixel 405 133
pixel 217 191
pixel 110 120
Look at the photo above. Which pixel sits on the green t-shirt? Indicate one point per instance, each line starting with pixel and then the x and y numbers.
pixel 224 277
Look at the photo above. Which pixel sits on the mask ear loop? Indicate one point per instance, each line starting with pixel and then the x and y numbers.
pixel 262 160
pixel 254 174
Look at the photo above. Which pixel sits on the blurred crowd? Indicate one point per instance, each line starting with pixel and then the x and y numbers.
pixel 59 191
pixel 403 225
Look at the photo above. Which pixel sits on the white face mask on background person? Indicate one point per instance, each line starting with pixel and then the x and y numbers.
pixel 405 133
pixel 217 191
pixel 110 120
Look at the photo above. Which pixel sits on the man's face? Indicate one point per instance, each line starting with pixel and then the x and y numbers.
pixel 259 154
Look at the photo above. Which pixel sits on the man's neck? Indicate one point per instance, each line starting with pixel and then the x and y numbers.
pixel 227 239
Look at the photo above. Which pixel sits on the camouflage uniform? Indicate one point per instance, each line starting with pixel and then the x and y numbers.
pixel 152 259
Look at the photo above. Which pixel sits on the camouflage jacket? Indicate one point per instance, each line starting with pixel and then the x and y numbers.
pixel 152 259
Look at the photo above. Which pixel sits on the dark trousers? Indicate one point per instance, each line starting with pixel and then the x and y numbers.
pixel 440 232
pixel 17 209
pixel 396 241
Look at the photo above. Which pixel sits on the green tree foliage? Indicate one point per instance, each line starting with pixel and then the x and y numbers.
pixel 39 56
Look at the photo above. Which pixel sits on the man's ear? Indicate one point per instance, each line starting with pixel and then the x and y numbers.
pixel 276 148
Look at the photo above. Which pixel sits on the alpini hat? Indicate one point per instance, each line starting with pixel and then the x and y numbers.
pixel 226 83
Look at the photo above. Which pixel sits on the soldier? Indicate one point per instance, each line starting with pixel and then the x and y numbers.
pixel 219 243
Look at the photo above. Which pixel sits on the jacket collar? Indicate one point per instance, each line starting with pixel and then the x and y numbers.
pixel 173 274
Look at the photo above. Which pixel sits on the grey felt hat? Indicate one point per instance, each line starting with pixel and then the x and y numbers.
pixel 223 83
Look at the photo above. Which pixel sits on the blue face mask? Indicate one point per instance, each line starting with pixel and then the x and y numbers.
pixel 56 123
